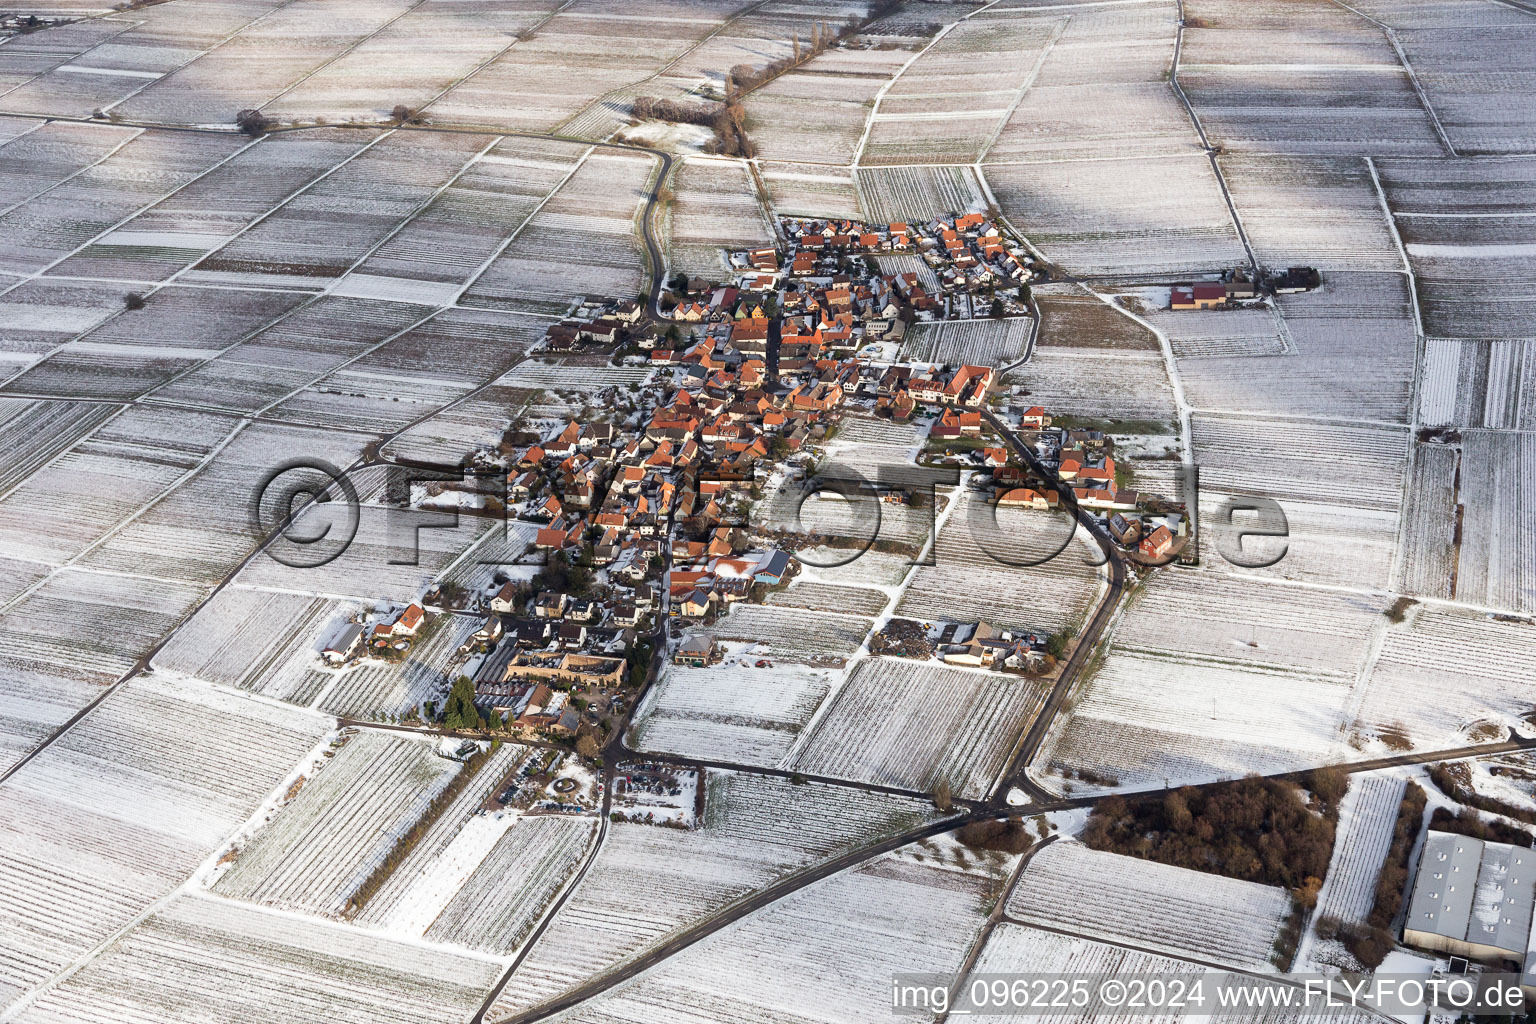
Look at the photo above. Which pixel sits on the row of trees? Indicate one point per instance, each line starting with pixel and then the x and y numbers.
pixel 727 120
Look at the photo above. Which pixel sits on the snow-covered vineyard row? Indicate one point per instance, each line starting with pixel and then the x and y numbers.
pixel 1367 816
pixel 916 194
pixel 716 210
pixel 792 632
pixel 978 342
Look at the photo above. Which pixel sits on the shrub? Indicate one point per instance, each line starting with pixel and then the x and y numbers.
pixel 133 300
pixel 252 121
pixel 1004 836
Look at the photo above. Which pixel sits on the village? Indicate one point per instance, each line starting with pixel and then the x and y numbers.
pixel 641 525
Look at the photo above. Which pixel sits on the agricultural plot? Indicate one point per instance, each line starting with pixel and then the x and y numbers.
pixel 39 315
pixel 208 211
pixel 1098 383
pixel 792 633
pixel 201 960
pixel 1072 318
pixel 1126 900
pixel 803 190
pixel 648 882
pixel 978 342
pixel 104 479
pixel 1221 334
pixel 202 530
pixel 1012 568
pixel 1467 240
pixel 1319 212
pixel 848 508
pixel 1211 677
pixel 1132 216
pixel 382 690
pixel 476 423
pixel 469 222
pixel 1335 543
pixel 828 597
pixel 1309 77
pixel 319 234
pixel 427 878
pixel 122 808
pixel 952 100
pixel 576 57
pixel 731 712
pixel 259 63
pixel 1428 538
pixel 1017 947
pixel 1483 95
pixel 816 114
pixel 716 209
pixel 917 194
pixel 888 916
pixel 1101 90
pixel 320 846
pixel 289 355
pixel 1350 352
pixel 145 168
pixel 583 241
pixel 43 51
pixel 1496 560
pixel 912 725
pixel 40 159
pixel 1443 673
pixel 1366 818
pixel 1301 461
pixel 1479 383
pixel 488 914
pixel 411 60
pixel 264 641
pixel 33 434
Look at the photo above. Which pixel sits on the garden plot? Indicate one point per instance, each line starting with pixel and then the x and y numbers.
pixel 877 569
pixel 1136 902
pixel 1496 559
pixel 648 882
pixel 33 434
pixel 732 712
pixel 38 316
pixel 265 641
pixel 324 842
pixel 816 113
pixel 412 60
pixel 1073 318
pixel 917 194
pixel 202 960
pixel 977 342
pixel 1483 95
pixel 1224 334
pixel 148 167
pixel 259 62
pixel 582 242
pixel 1211 677
pixel 828 597
pixel 1351 353
pixel 1313 211
pixel 806 191
pixel 1013 568
pixel 1102 89
pixel 206 213
pixel 946 106
pixel 1302 461
pixel 202 530
pixel 1444 672
pixel 716 209
pixel 104 479
pixel 1310 77
pixel 792 633
pixel 863 926
pixel 536 856
pixel 585 51
pixel 1367 816
pixel 292 353
pixel 469 222
pixel 902 723
pixel 122 808
pixel 1098 383
pixel 318 235
pixel 1429 529
pixel 1124 216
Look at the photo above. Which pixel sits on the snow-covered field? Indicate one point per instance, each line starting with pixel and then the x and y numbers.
pixel 1137 902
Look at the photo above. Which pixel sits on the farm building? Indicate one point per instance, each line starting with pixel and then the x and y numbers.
pixel 1472 898
pixel 1198 296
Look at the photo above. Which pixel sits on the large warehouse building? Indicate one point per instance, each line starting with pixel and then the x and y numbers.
pixel 1472 898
